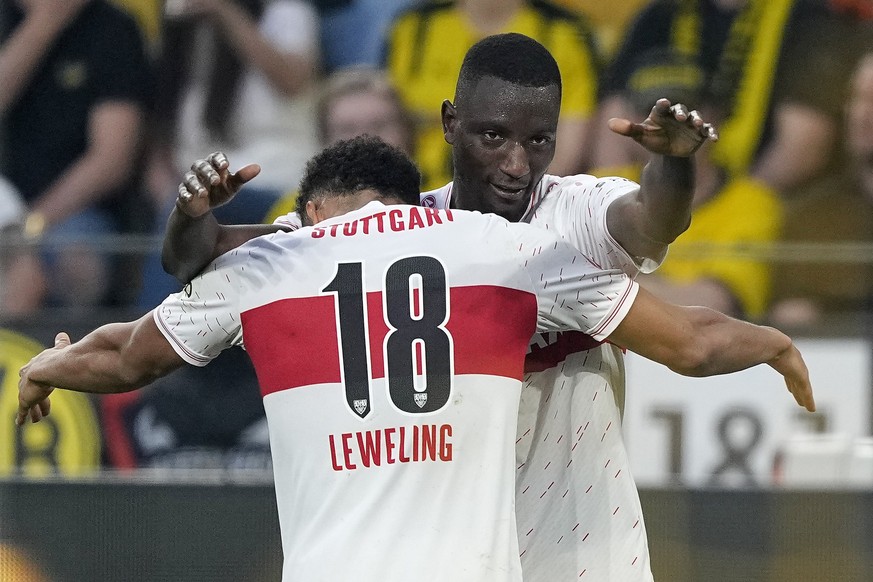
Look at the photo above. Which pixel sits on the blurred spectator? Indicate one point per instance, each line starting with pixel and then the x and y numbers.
pixel 702 267
pixel 608 19
pixel 75 92
pixel 353 31
pixel 148 14
pixel 758 57
pixel 425 50
pixel 236 76
pixel 838 209
pixel 353 102
pixel 362 100
pixel 21 281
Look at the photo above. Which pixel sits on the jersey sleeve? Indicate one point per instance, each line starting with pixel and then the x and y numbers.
pixel 572 292
pixel 587 199
pixel 203 319
pixel 290 220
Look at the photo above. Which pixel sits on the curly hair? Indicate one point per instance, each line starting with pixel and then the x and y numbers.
pixel 356 164
pixel 510 57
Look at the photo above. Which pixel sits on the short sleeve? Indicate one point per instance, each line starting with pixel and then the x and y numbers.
pixel 572 292
pixel 290 220
pixel 203 319
pixel 576 206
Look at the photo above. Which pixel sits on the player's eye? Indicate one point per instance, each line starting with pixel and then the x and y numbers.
pixel 491 135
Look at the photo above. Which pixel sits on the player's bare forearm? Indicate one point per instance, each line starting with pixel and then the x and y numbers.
pixel 698 341
pixel 189 244
pixel 666 192
pixel 117 357
pixel 192 243
pixel 645 223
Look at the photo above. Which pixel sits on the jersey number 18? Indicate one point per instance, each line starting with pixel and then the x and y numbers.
pixel 417 347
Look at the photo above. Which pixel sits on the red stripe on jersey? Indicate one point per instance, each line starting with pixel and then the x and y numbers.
pixel 565 343
pixel 491 328
pixel 294 342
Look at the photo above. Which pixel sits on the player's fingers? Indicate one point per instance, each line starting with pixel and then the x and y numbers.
pixel 624 127
pixel 808 398
pixel 244 174
pixel 21 414
pixel 35 413
pixel 45 407
pixel 709 132
pixel 679 111
pixel 218 160
pixel 191 186
pixel 661 107
pixel 205 172
pixel 695 118
pixel 62 340
pixel 184 194
pixel 801 389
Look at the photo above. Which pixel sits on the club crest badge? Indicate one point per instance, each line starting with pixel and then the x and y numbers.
pixel 360 406
pixel 420 399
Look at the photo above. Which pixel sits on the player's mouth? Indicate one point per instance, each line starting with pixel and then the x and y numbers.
pixel 513 194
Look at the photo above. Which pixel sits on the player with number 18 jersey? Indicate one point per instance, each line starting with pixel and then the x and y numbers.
pixel 389 344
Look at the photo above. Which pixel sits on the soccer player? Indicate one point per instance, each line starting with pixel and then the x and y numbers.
pixel 391 368
pixel 577 504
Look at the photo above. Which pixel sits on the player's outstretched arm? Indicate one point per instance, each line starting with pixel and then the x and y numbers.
pixel 117 357
pixel 194 237
pixel 645 223
pixel 697 341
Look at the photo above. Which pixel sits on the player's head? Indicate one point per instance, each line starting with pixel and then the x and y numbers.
pixel 502 124
pixel 350 173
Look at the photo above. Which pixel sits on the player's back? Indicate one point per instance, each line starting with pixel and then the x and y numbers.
pixel 389 346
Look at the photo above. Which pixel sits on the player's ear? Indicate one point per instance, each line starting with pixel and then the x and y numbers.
pixel 450 120
pixel 312 212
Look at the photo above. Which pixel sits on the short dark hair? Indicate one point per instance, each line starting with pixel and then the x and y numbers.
pixel 511 57
pixel 356 164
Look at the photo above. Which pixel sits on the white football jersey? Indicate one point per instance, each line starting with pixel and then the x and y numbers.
pixel 577 506
pixel 389 345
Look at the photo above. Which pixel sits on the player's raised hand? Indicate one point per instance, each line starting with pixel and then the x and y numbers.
pixel 669 130
pixel 792 367
pixel 210 184
pixel 33 397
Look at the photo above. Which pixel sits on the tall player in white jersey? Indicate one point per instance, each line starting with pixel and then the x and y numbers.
pixel 391 365
pixel 579 511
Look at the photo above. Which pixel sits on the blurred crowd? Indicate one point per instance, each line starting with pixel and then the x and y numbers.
pixel 105 104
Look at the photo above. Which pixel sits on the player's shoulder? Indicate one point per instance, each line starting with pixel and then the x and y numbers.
pixel 556 186
pixel 439 198
pixel 265 247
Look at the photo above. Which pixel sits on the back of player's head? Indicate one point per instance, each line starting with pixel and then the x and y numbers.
pixel 511 57
pixel 360 163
